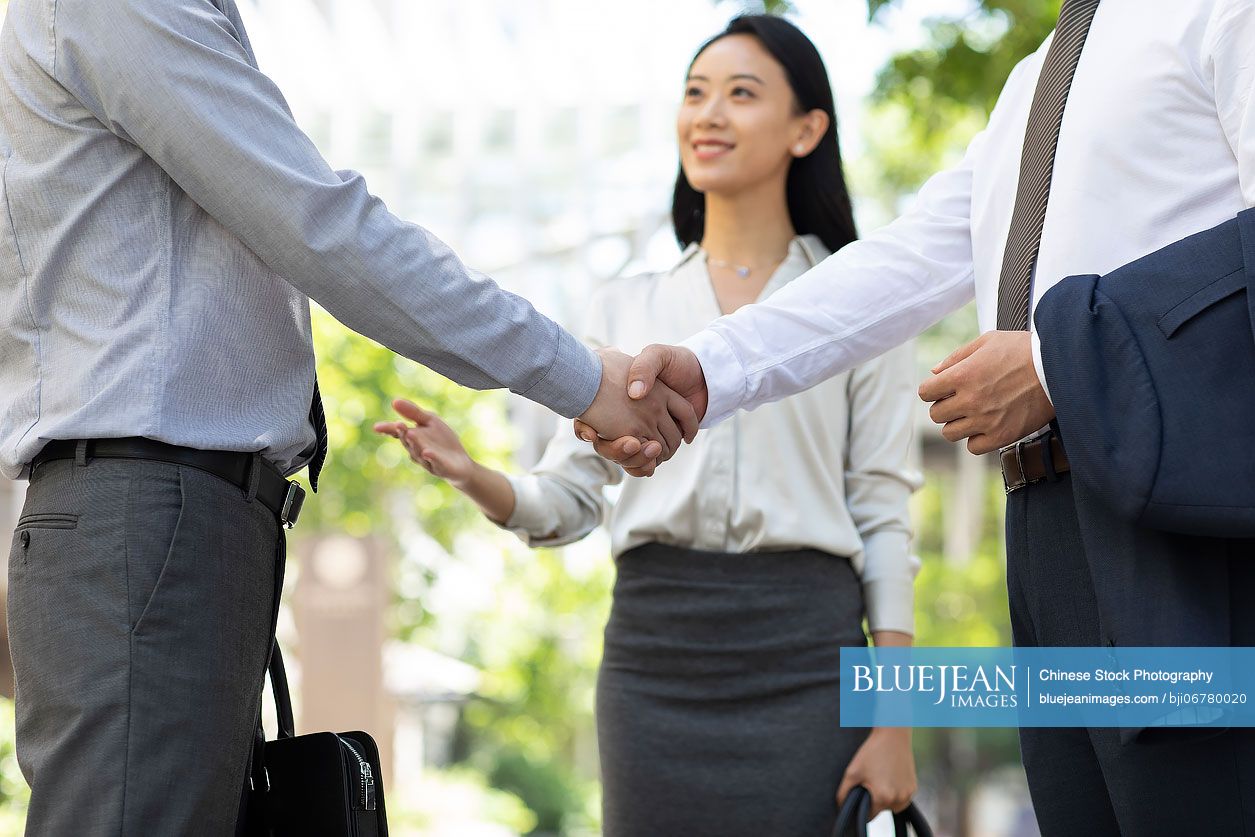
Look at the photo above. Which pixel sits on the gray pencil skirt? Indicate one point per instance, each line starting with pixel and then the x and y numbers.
pixel 717 701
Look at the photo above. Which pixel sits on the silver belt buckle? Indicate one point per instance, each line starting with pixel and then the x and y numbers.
pixel 1019 460
pixel 292 503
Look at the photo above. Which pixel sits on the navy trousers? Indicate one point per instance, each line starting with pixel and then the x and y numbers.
pixel 1064 553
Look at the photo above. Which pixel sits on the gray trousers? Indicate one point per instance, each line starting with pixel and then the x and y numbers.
pixel 140 598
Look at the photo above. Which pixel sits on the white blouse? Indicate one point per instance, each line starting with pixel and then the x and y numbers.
pixel 827 469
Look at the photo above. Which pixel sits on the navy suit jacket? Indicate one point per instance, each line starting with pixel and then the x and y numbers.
pixel 1151 369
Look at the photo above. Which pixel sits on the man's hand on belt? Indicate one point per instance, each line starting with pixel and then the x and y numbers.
pixel 988 392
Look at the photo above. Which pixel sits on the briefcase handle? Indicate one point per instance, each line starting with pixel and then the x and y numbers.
pixel 278 674
pixel 258 780
pixel 283 699
pixel 858 803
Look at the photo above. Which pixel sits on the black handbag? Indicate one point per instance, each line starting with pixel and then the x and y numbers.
pixel 323 784
pixel 853 815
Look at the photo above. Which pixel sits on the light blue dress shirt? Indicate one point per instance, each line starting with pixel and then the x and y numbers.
pixel 163 224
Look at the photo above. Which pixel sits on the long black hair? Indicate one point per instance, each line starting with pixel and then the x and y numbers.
pixel 819 203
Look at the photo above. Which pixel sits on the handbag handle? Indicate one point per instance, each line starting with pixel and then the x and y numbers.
pixel 857 806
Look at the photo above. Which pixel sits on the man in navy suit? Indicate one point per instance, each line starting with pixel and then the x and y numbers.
pixel 1131 128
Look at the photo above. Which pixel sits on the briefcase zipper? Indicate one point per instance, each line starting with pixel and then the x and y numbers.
pixel 367 776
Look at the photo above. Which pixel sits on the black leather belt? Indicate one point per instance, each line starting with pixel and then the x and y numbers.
pixel 1025 463
pixel 280 495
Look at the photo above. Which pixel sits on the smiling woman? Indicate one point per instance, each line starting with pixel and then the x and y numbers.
pixel 748 561
pixel 764 81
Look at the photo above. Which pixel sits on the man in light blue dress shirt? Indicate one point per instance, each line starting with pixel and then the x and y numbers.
pixel 164 224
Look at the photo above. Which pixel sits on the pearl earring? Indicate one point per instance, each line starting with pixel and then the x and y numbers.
pixel 797 149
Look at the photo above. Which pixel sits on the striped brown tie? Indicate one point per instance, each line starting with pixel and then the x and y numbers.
pixel 1037 163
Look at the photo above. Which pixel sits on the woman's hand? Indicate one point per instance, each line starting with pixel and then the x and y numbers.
pixel 430 443
pixel 885 766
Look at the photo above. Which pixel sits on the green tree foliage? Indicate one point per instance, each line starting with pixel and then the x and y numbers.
pixel 960 603
pixel 539 642
pixel 930 101
pixel 368 486
pixel 966 59
pixel 540 647
pixel 366 473
pixel 14 794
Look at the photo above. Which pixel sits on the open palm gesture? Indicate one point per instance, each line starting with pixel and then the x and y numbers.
pixel 430 442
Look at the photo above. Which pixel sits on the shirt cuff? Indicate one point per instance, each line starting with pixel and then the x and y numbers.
pixel 889 599
pixel 1037 364
pixel 725 376
pixel 570 384
pixel 530 515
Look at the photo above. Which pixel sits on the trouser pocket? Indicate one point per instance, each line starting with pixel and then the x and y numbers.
pixel 153 563
pixel 47 520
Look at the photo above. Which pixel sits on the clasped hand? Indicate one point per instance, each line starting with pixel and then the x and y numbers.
pixel 663 371
pixel 653 420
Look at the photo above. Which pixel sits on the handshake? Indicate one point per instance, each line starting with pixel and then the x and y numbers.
pixel 645 406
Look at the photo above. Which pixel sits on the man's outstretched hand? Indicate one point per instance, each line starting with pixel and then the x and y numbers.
pixel 657 418
pixel 988 392
pixel 658 368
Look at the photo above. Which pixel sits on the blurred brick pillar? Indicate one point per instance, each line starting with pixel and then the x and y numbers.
pixel 339 603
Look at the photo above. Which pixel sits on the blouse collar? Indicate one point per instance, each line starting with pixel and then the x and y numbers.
pixel 808 248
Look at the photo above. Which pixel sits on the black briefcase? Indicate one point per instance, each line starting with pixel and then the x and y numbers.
pixel 324 784
pixel 853 817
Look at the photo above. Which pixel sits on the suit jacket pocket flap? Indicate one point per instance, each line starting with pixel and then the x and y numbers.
pixel 1202 299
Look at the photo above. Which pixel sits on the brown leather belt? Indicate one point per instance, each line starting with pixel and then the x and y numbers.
pixel 1025 463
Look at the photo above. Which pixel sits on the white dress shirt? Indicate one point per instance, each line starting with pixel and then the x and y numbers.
pixel 828 469
pixel 1157 143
